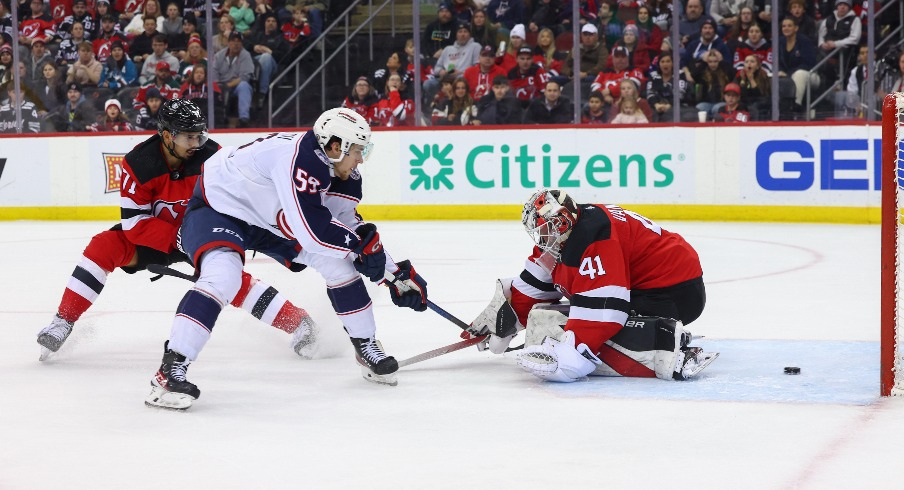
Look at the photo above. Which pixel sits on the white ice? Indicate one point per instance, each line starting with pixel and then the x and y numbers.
pixel 778 295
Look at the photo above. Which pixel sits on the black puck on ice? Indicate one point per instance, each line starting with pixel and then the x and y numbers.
pixel 792 370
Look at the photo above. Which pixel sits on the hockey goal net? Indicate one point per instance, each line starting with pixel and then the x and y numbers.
pixel 892 357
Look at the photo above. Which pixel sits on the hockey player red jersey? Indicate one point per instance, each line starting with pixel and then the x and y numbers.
pixel 610 252
pixel 152 198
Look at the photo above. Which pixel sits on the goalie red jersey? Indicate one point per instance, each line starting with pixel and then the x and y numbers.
pixel 609 253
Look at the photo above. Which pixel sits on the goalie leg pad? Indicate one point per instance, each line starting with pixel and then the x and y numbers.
pixel 545 320
pixel 559 361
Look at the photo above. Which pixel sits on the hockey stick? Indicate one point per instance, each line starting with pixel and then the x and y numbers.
pixel 442 351
pixel 162 270
pixel 391 279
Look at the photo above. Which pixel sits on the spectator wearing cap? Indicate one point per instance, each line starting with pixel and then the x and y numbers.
pixel 439 33
pixel 608 81
pixel 194 55
pixel 268 47
pixel 112 120
pixel 86 70
pixel 67 52
pixel 638 52
pixel 30 121
pixel 594 55
pixel 726 13
pixel 517 40
pixel 119 71
pixel 159 46
pixel 142 45
pixel 732 111
pixel 482 32
pixel 550 14
pixel 146 119
pixel 178 43
pixel 480 76
pixel 38 25
pixel 79 14
pixel 233 70
pixel 455 59
pixel 691 20
pixel 76 115
pixel 499 106
pixel 172 20
pixel 706 42
pixel 108 33
pixel 551 108
pixel 505 14
pixel 163 82
pixel 527 78
pixel 35 60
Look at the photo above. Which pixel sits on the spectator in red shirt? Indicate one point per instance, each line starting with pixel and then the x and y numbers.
pixel 607 82
pixel 362 98
pixel 393 109
pixel 480 76
pixel 527 79
pixel 38 26
pixel 732 111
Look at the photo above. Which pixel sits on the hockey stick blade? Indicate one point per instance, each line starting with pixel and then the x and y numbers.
pixel 464 344
pixel 162 270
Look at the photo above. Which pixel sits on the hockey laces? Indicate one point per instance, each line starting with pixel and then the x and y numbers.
pixel 370 350
pixel 179 370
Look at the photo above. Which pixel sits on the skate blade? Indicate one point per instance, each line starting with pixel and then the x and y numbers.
pixel 160 398
pixel 707 359
pixel 45 354
pixel 382 379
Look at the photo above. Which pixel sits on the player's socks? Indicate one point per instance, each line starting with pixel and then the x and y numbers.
pixel 84 286
pixel 268 305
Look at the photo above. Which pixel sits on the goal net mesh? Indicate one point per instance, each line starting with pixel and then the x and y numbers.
pixel 893 245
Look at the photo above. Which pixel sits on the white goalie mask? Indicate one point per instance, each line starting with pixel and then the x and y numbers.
pixel 548 217
pixel 348 126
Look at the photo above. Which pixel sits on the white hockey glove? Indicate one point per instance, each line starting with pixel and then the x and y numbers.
pixel 498 320
pixel 560 361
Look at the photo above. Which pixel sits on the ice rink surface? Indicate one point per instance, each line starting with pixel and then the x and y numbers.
pixel 778 295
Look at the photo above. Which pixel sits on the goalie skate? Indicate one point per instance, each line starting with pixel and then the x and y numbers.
pixel 375 365
pixel 695 360
pixel 52 337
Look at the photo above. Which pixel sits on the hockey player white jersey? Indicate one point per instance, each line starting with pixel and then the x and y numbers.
pixel 284 183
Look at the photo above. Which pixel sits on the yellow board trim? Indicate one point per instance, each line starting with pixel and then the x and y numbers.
pixel 482 212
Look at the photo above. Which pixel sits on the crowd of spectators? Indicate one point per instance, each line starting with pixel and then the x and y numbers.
pixel 89 65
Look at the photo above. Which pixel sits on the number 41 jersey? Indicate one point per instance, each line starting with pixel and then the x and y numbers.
pixel 610 252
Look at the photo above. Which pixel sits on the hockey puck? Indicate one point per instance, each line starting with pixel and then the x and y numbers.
pixel 792 370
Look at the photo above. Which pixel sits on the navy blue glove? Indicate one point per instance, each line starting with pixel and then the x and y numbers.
pixel 371 261
pixel 409 290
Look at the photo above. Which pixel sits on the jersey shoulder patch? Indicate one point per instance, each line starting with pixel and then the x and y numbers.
pixel 592 226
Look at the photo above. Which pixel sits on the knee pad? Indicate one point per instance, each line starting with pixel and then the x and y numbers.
pixel 221 274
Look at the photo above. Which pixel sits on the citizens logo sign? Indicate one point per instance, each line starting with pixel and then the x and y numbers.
pixel 504 166
pixel 113 167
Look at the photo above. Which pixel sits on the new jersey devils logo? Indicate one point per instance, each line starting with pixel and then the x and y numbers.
pixel 170 211
pixel 30 30
pixel 59 12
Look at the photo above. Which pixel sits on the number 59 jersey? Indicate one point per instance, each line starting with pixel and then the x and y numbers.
pixel 279 183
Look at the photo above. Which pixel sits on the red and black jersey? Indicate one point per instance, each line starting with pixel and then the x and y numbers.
pixel 153 198
pixel 60 9
pixel 38 28
pixel 393 110
pixel 610 252
pixel 481 83
pixel 527 86
pixel 612 81
pixel 737 115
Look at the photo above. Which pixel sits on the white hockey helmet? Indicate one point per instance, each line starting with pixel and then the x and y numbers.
pixel 548 217
pixel 346 125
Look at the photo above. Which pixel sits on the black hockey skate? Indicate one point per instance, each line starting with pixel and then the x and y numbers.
pixel 376 366
pixel 695 360
pixel 51 337
pixel 169 388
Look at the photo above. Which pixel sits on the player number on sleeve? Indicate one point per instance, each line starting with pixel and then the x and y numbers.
pixel 592 266
pixel 127 183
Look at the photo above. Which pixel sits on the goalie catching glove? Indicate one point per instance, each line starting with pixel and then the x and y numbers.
pixel 498 320
pixel 371 260
pixel 408 289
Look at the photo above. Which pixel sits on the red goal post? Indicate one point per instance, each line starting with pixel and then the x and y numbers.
pixel 892 316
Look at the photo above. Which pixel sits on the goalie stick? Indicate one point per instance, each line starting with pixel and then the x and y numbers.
pixel 162 270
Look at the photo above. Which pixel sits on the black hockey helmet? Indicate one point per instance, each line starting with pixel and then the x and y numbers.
pixel 181 115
